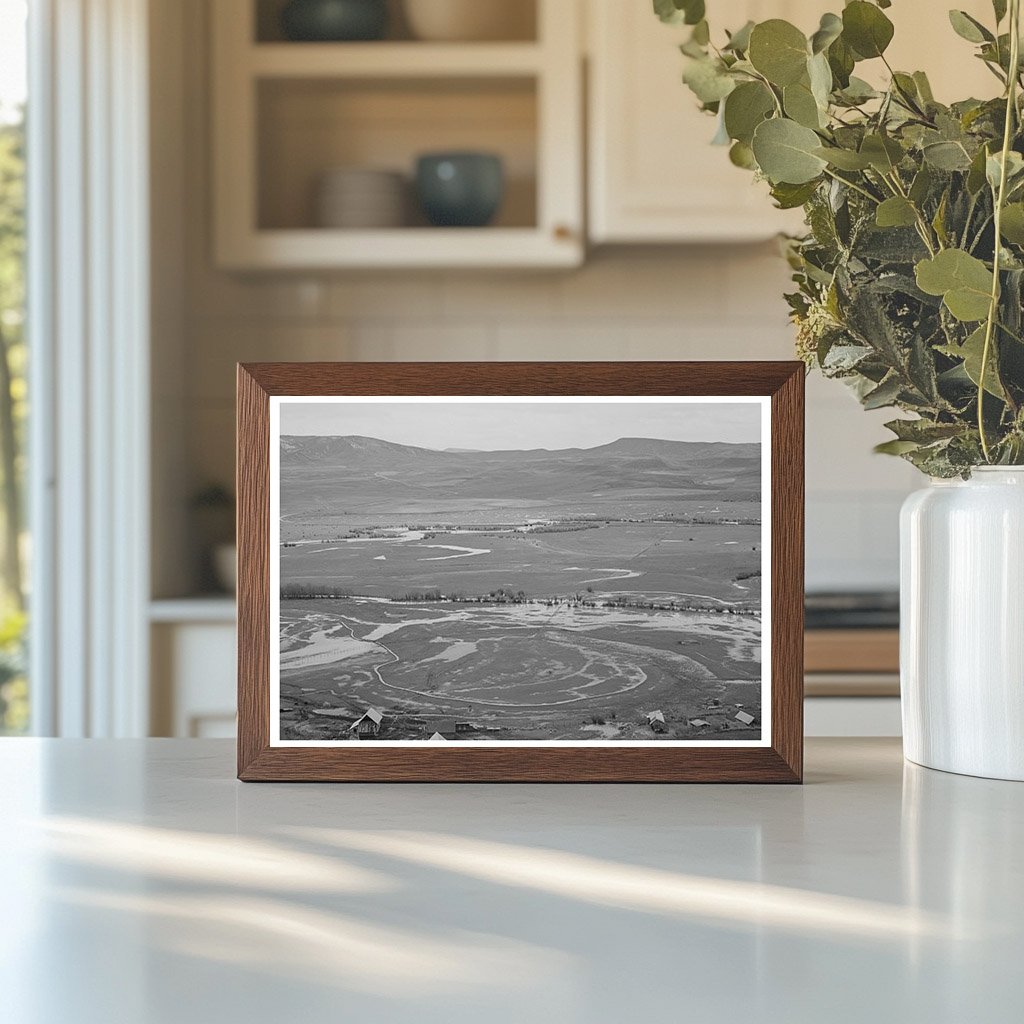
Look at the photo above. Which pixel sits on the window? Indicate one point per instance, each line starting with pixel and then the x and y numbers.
pixel 14 704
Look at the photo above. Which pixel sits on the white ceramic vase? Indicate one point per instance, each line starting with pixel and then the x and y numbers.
pixel 962 624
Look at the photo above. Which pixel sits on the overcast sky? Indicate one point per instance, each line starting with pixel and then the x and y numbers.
pixel 509 426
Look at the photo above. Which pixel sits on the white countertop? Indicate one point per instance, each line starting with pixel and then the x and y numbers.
pixel 142 885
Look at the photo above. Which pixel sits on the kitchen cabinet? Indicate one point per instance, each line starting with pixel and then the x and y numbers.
pixel 653 175
pixel 287 113
pixel 192 647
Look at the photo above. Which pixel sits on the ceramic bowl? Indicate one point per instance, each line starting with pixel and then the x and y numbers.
pixel 460 189
pixel 334 20
pixel 358 197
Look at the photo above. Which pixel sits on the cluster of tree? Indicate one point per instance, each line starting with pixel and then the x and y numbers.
pixel 565 527
pixel 499 596
pixel 313 591
pixel 756 574
pixel 421 595
pixel 505 595
pixel 677 606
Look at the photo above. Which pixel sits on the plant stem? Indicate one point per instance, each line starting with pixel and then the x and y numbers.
pixel 923 228
pixel 856 188
pixel 1000 199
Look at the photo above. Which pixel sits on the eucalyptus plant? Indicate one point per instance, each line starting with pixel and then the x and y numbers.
pixel 910 278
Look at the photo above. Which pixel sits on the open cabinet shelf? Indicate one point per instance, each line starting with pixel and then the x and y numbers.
pixel 394 60
pixel 286 114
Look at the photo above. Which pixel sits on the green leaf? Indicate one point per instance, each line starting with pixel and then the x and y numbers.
pixel 841 60
pixel 739 41
pixel 789 197
pixel 946 156
pixel 883 153
pixel 969 28
pixel 668 11
pixel 695 11
pixel 896 212
pixel 829 30
pixel 923 431
pixel 885 394
pixel 708 80
pixel 906 90
pixel 939 220
pixel 976 174
pixel 963 281
pixel 999 7
pixel 778 50
pixel 896 447
pixel 924 87
pixel 858 91
pixel 921 185
pixel 820 76
pixel 691 48
pixel 745 108
pixel 676 12
pixel 866 29
pixel 800 105
pixel 741 155
pixel 785 152
pixel 844 159
pixel 1012 226
pixel 972 352
pixel 994 169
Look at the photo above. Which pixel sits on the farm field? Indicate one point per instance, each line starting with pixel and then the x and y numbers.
pixel 508 594
pixel 515 671
pixel 657 561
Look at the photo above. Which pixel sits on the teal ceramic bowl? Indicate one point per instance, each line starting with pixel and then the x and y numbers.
pixel 460 190
pixel 334 21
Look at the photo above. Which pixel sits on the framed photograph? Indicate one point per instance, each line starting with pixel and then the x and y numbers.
pixel 520 572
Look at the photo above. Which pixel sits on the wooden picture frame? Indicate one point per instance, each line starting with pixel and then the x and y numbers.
pixel 778 758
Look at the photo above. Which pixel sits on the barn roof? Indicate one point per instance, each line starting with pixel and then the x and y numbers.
pixel 742 716
pixel 655 716
pixel 372 714
pixel 699 722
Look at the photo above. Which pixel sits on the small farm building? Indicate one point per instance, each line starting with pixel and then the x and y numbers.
pixel 656 720
pixel 368 724
pixel 744 717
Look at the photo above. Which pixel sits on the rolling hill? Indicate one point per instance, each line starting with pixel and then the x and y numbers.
pixel 371 474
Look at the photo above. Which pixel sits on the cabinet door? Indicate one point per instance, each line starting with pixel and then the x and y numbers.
pixel 286 113
pixel 654 177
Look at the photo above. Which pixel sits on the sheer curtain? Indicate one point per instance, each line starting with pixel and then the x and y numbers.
pixel 88 300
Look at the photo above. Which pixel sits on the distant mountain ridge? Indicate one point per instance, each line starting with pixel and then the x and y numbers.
pixel 372 474
pixel 320 446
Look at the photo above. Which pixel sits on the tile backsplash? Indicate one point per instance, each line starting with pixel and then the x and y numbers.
pixel 699 303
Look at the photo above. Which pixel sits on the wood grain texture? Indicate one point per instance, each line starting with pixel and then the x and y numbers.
pixel 658 762
pixel 787 625
pixel 253 532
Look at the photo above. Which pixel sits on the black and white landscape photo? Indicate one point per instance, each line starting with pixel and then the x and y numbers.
pixel 481 570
